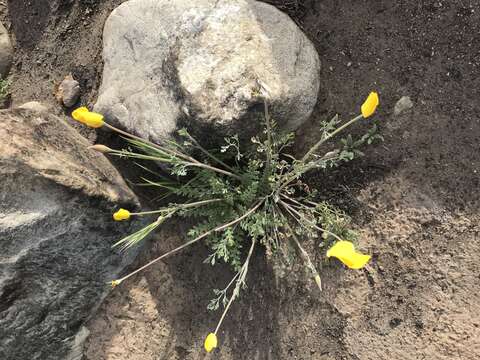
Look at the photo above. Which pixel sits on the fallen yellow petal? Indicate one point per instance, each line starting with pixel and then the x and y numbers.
pixel 121 214
pixel 88 118
pixel 211 342
pixel 345 252
pixel 370 105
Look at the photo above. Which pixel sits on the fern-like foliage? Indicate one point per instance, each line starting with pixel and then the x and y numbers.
pixel 240 197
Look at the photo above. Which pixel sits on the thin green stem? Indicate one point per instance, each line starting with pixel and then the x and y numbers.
pixel 208 154
pixel 242 275
pixel 188 160
pixel 306 167
pixel 269 138
pixel 302 217
pixel 191 242
pixel 329 136
pixel 305 256
pixel 179 207
pixel 221 171
pixel 144 141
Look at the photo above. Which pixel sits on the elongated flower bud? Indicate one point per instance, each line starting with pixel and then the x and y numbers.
pixel 370 105
pixel 211 342
pixel 101 148
pixel 88 118
pixel 121 214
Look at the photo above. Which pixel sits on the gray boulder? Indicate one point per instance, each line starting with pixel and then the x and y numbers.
pixel 203 63
pixel 6 52
pixel 56 231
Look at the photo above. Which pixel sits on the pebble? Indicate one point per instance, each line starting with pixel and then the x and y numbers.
pixel 402 105
pixel 68 92
pixel 34 106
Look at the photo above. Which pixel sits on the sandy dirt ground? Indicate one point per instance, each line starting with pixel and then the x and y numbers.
pixel 414 198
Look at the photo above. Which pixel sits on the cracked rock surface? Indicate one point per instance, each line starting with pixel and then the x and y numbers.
pixel 56 199
pixel 201 63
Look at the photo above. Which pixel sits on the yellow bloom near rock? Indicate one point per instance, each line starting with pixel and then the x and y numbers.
pixel 346 253
pixel 370 105
pixel 121 214
pixel 211 342
pixel 86 117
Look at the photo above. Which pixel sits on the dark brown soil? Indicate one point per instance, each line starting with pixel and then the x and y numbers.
pixel 415 198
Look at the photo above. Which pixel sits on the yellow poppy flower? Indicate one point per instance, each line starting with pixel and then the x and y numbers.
pixel 345 252
pixel 115 283
pixel 211 342
pixel 121 214
pixel 88 118
pixel 370 105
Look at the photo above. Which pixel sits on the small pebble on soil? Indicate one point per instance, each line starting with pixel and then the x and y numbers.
pixel 68 92
pixel 402 105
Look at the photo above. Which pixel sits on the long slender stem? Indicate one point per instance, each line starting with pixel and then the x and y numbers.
pixel 221 171
pixel 207 153
pixel 306 257
pixel 313 149
pixel 198 238
pixel 162 148
pixel 329 136
pixel 269 138
pixel 312 224
pixel 190 160
pixel 179 207
pixel 231 281
pixel 243 275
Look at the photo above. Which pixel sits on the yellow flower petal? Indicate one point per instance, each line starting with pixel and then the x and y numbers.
pixel 88 118
pixel 93 120
pixel 77 113
pixel 370 105
pixel 211 342
pixel 121 214
pixel 345 252
pixel 357 261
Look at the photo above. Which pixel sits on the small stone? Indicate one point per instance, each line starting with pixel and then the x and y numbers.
pixel 68 91
pixel 34 106
pixel 6 52
pixel 402 105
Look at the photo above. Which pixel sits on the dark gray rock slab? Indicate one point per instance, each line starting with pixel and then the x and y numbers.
pixel 56 232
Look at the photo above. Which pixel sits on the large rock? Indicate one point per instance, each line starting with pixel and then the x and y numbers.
pixel 200 62
pixel 6 52
pixel 56 231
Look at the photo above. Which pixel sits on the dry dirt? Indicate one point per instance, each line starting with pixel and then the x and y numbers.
pixel 415 198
